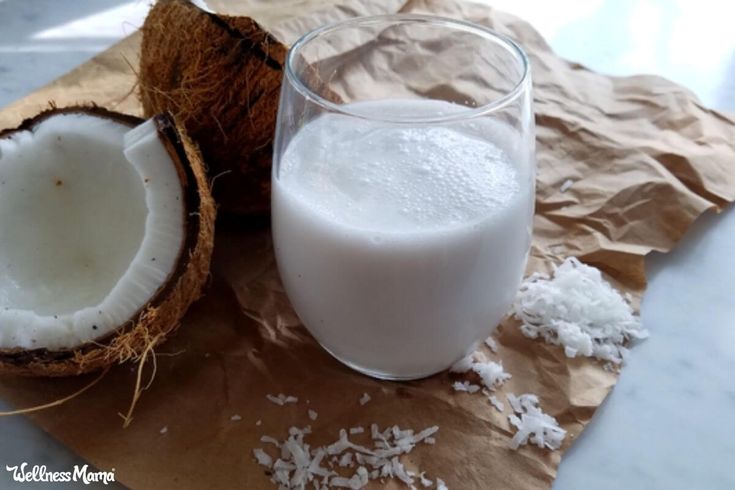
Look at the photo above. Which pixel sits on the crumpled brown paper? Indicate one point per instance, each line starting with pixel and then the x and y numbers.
pixel 645 159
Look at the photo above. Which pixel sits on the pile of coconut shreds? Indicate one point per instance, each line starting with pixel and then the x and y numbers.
pixel 578 309
pixel 297 465
pixel 532 424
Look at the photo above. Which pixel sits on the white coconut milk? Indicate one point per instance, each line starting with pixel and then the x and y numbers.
pixel 401 245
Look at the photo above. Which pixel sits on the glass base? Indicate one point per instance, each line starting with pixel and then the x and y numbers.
pixel 380 374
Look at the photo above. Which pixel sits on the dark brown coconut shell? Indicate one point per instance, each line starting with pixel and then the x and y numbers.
pixel 220 76
pixel 163 313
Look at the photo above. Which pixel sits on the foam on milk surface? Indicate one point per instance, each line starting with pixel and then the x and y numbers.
pixel 396 177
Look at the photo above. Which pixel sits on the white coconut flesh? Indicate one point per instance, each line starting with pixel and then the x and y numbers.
pixel 92 222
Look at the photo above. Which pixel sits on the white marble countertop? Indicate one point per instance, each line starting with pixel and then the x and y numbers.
pixel 669 422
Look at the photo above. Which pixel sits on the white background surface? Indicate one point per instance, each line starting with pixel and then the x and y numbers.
pixel 670 422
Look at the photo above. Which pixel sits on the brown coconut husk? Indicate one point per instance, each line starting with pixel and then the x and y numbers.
pixel 162 315
pixel 220 76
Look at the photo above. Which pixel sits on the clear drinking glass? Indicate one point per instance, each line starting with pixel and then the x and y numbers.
pixel 403 188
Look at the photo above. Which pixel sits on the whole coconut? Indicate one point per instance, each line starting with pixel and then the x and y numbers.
pixel 220 76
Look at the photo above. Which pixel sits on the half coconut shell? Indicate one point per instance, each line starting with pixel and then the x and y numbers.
pixel 162 312
pixel 220 76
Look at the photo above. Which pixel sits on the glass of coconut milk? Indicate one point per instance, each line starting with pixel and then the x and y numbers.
pixel 403 188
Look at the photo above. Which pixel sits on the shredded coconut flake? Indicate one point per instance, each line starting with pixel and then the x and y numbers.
pixel 578 309
pixel 281 399
pixel 400 472
pixel 491 373
pixel 566 185
pixel 357 430
pixel 270 440
pixel 440 485
pixel 465 386
pixel 533 425
pixel 364 399
pixel 496 403
pixel 312 414
pixel 425 482
pixel 298 465
pixel 262 457
pixel 236 418
pixel 492 345
pixel 164 429
pixel 274 399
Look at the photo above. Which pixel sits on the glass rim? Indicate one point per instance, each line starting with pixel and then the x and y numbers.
pixel 470 112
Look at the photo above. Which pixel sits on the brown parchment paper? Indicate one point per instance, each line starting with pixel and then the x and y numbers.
pixel 645 159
